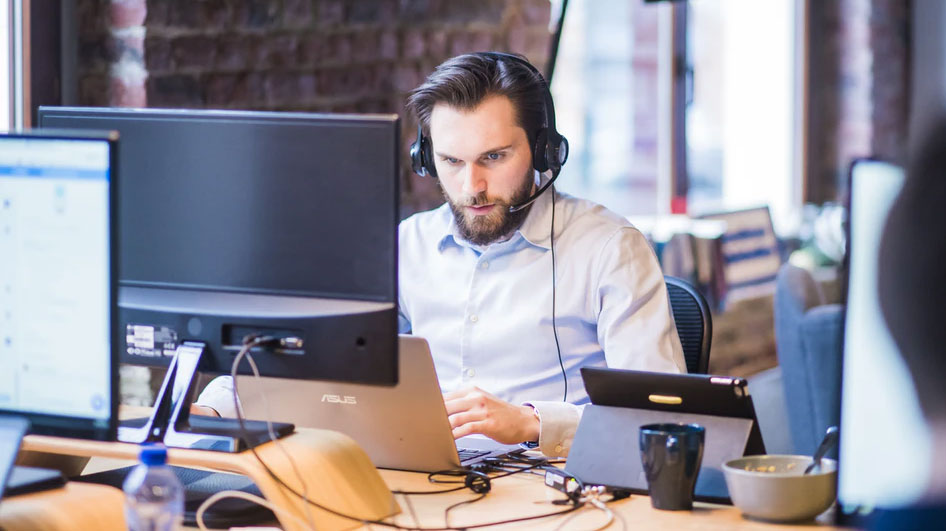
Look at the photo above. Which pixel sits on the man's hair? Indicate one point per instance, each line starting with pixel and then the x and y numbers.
pixel 463 82
pixel 912 283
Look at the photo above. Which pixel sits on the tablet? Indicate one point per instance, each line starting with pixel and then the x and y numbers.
pixel 606 448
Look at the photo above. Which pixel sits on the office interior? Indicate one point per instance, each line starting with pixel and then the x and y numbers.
pixel 727 131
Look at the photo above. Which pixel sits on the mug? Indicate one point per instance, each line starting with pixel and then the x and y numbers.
pixel 671 455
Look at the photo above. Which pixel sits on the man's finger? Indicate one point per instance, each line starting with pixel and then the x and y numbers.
pixel 459 393
pixel 465 417
pixel 457 405
pixel 470 428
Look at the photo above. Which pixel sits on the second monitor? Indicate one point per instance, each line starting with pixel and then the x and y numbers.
pixel 238 223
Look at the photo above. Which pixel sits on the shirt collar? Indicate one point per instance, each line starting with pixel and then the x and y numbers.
pixel 535 228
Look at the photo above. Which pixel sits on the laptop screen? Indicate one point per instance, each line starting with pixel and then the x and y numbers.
pixel 55 287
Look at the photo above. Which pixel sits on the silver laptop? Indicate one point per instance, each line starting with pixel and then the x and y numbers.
pixel 403 427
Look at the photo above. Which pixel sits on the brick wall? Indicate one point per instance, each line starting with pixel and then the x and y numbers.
pixel 859 88
pixel 293 55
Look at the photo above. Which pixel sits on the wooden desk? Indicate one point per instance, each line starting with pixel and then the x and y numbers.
pixel 82 506
pixel 526 495
pixel 77 506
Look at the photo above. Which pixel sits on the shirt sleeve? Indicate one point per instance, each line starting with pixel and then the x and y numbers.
pixel 218 395
pixel 635 324
pixel 558 422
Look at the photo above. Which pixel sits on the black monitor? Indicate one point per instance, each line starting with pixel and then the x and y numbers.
pixel 235 223
pixel 58 308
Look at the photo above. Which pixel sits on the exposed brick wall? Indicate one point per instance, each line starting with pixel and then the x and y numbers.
pixel 859 88
pixel 293 55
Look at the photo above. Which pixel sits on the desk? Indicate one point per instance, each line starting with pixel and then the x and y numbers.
pixel 511 497
pixel 76 506
pixel 526 495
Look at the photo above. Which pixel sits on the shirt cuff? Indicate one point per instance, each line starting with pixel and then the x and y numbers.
pixel 558 422
pixel 218 395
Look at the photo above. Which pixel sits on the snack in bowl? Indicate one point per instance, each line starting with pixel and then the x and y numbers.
pixel 774 487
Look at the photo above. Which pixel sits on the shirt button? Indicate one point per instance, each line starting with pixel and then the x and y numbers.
pixel 484 265
pixel 474 318
pixel 558 448
pixel 470 373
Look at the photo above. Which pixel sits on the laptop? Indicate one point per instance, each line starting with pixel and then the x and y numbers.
pixel 17 480
pixel 404 427
pixel 12 430
pixel 606 448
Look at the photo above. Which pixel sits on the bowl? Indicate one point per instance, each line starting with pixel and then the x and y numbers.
pixel 775 488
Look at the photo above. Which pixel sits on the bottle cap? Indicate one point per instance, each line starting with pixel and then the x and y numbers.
pixel 154 454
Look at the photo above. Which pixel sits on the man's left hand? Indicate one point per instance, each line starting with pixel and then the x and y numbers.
pixel 473 410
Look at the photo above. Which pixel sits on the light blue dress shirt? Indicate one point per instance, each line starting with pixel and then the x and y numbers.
pixel 487 311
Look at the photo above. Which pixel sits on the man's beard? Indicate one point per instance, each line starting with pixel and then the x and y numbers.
pixel 483 230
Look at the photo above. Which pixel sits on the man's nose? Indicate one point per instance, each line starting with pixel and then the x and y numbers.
pixel 474 180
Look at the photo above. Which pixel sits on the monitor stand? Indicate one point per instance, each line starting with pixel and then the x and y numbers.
pixel 171 423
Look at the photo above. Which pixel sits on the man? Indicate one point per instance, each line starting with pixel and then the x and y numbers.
pixel 476 274
pixel 912 288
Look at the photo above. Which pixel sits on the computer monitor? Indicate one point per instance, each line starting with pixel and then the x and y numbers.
pixel 885 447
pixel 58 309
pixel 236 223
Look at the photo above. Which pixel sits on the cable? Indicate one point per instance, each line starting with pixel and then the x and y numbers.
pixel 446 512
pixel 252 341
pixel 249 497
pixel 245 351
pixel 558 348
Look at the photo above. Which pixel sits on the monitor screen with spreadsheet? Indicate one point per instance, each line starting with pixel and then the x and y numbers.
pixel 57 284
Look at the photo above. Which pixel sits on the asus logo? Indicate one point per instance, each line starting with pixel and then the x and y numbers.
pixel 335 399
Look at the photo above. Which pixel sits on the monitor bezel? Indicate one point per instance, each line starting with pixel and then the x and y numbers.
pixel 67 425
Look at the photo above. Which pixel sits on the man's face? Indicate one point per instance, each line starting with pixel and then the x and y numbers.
pixel 484 163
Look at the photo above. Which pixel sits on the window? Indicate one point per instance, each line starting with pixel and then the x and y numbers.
pixel 704 93
pixel 607 90
pixel 6 55
pixel 741 146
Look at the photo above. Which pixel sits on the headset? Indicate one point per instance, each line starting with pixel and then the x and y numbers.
pixel 549 152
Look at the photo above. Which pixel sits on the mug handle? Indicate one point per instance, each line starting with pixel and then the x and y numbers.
pixel 673 450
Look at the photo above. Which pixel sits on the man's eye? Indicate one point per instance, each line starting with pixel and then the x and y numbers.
pixel 451 160
pixel 494 156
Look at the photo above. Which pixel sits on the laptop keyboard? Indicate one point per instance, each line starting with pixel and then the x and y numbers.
pixel 467 454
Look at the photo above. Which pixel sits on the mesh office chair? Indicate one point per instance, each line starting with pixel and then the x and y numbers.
pixel 694 323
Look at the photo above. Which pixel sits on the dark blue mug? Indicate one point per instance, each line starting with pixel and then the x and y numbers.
pixel 671 455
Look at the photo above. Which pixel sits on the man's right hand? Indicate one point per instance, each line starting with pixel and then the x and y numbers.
pixel 204 410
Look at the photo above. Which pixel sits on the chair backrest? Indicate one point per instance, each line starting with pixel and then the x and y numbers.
pixel 808 344
pixel 694 323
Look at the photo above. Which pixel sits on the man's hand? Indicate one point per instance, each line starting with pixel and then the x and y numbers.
pixel 473 410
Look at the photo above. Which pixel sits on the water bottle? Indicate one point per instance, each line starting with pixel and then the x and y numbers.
pixel 154 497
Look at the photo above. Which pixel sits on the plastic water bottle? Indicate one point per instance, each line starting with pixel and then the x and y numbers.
pixel 154 497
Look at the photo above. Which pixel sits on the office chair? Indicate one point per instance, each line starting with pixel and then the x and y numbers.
pixel 694 323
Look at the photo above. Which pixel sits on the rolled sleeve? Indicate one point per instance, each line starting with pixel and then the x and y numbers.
pixel 218 395
pixel 558 422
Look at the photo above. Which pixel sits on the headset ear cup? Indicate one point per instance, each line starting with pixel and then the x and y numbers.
pixel 428 158
pixel 540 159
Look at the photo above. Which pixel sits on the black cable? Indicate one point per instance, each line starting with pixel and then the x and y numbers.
pixel 558 348
pixel 252 342
pixel 446 512
pixel 556 40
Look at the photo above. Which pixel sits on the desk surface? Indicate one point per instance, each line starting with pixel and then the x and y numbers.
pixel 511 497
pixel 526 495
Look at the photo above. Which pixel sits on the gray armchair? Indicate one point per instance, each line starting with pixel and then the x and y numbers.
pixel 808 343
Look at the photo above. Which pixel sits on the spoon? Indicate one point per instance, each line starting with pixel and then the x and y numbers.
pixel 830 439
